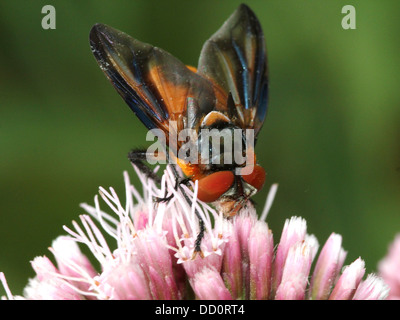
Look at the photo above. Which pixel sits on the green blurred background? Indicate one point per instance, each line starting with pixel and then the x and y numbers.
pixel 331 137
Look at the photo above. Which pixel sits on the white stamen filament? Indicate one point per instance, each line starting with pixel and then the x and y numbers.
pixel 269 201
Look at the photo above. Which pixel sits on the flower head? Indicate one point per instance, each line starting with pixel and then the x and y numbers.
pixel 153 254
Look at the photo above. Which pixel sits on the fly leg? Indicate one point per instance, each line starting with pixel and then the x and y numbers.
pixel 178 181
pixel 200 235
pixel 138 157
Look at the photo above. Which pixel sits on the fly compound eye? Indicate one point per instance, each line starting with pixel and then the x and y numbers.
pixel 256 178
pixel 215 185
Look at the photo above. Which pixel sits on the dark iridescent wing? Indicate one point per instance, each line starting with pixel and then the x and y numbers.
pixel 234 59
pixel 157 87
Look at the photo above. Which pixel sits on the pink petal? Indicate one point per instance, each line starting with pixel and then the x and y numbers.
pixel 261 246
pixel 373 288
pixel 208 285
pixel 327 267
pixel 294 231
pixel 348 282
pixel 295 273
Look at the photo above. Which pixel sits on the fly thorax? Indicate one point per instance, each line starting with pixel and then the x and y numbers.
pixel 222 146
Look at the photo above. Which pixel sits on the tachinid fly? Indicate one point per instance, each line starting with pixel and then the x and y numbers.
pixel 227 92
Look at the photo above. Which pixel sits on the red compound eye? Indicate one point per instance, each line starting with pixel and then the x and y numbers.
pixel 256 178
pixel 215 185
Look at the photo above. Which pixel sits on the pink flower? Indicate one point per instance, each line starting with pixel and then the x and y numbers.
pixel 152 256
pixel 389 269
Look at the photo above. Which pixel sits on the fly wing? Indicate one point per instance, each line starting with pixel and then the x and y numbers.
pixel 234 59
pixel 156 86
